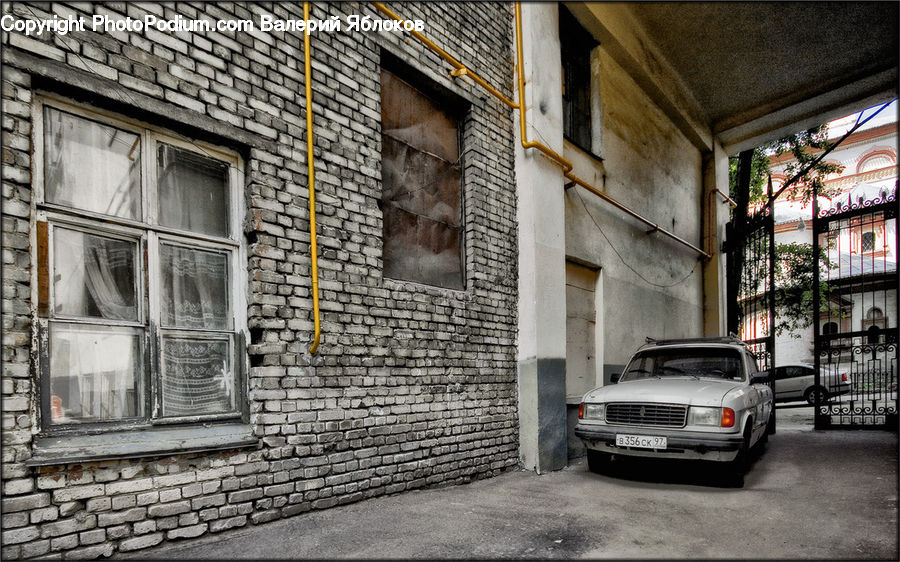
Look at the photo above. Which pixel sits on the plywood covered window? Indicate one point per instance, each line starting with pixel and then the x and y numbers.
pixel 421 185
pixel 140 299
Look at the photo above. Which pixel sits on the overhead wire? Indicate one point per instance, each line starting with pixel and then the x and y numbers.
pixel 625 263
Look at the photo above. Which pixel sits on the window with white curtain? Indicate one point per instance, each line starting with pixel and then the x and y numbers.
pixel 138 278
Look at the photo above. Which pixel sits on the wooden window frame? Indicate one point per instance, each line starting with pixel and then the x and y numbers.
pixel 148 234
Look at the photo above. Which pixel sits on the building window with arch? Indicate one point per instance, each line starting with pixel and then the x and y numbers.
pixel 874 323
pixel 875 161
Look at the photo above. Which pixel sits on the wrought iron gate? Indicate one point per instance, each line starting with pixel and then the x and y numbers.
pixel 756 311
pixel 856 326
pixel 751 275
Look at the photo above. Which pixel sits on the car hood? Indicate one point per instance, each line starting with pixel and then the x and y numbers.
pixel 697 392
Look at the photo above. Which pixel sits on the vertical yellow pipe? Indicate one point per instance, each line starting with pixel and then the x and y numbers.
pixel 307 78
pixel 566 165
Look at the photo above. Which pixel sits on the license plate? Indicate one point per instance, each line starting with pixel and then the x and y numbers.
pixel 640 441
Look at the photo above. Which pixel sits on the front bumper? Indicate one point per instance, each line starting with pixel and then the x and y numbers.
pixel 679 444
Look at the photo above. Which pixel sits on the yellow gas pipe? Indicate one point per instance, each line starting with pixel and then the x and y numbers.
pixel 459 69
pixel 307 78
pixel 566 165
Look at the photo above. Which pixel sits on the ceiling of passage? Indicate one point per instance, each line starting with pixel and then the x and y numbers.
pixel 755 67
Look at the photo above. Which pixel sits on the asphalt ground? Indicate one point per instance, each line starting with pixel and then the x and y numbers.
pixel 808 495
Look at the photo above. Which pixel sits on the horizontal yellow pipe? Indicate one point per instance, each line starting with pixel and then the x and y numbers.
pixel 461 69
pixel 566 165
pixel 310 162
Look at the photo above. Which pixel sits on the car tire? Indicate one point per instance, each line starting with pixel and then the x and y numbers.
pixel 597 460
pixel 737 468
pixel 810 395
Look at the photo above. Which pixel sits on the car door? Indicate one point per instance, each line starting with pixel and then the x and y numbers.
pixel 760 400
pixel 792 385
pixel 782 391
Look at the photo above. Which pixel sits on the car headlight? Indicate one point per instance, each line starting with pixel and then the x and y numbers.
pixel 700 415
pixel 594 411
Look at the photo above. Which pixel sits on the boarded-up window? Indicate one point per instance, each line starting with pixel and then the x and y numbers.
pixel 575 48
pixel 421 186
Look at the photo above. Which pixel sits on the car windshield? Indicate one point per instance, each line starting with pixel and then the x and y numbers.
pixel 717 363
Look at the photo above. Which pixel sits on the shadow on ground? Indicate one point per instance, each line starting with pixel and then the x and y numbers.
pixel 672 471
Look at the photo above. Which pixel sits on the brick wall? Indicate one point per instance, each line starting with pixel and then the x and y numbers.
pixel 414 386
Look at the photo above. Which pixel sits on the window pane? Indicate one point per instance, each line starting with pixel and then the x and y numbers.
pixel 95 373
pixel 193 191
pixel 91 166
pixel 94 276
pixel 194 288
pixel 419 249
pixel 576 44
pixel 197 377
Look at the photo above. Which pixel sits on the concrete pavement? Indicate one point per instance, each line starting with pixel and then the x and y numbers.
pixel 812 494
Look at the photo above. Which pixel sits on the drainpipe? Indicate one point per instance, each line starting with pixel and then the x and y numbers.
pixel 307 78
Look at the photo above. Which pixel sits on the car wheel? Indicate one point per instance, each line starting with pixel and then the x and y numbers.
pixel 597 460
pixel 812 392
pixel 737 468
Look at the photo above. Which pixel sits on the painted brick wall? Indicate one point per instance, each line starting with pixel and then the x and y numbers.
pixel 414 386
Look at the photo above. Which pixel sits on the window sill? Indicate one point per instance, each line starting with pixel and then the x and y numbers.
pixel 140 443
pixel 587 151
pixel 394 284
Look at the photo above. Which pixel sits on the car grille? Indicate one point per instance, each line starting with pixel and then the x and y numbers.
pixel 657 415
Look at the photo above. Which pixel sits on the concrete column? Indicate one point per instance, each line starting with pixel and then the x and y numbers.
pixel 715 215
pixel 542 269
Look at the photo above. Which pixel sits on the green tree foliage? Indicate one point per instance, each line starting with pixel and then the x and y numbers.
pixel 794 263
pixel 804 147
pixel 794 278
pixel 759 175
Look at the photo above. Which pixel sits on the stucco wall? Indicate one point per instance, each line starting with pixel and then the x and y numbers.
pixel 651 167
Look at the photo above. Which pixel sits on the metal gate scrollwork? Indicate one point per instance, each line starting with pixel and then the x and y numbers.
pixel 856 327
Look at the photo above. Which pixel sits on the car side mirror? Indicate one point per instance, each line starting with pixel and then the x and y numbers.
pixel 614 378
pixel 759 379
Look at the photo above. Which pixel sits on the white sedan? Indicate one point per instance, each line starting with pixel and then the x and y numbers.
pixel 689 399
